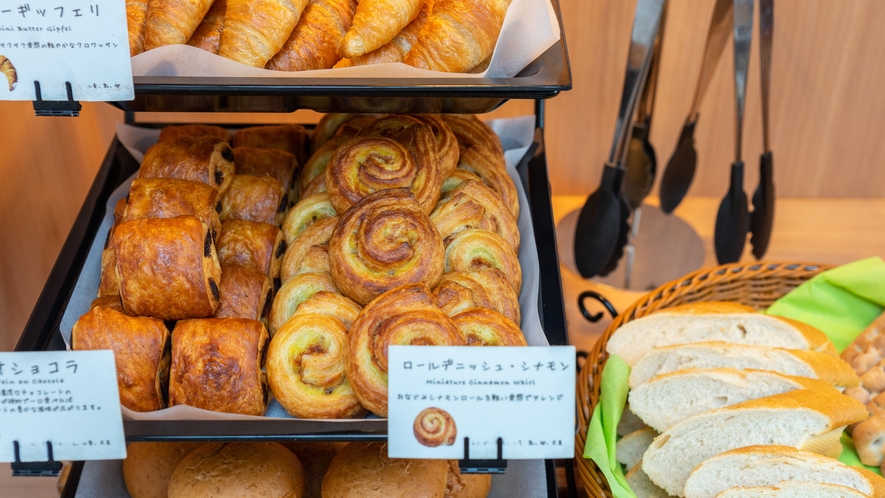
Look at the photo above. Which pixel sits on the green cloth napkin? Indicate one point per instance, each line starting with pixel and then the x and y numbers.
pixel 841 302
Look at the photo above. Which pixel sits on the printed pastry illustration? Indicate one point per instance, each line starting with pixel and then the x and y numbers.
pixel 8 69
pixel 435 427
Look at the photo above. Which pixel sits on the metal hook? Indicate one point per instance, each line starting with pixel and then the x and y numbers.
pixel 597 296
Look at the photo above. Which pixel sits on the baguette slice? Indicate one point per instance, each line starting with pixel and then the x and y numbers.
pixel 704 322
pixel 769 465
pixel 668 399
pixel 642 486
pixel 808 419
pixel 811 364
pixel 630 448
pixel 793 489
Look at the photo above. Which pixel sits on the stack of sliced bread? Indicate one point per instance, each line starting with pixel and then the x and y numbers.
pixel 717 389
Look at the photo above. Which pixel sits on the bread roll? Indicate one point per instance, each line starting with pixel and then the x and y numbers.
pixel 148 467
pixel 315 458
pixel 363 469
pixel 460 485
pixel 227 470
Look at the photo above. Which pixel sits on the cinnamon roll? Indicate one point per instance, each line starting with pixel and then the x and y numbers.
pixel 295 291
pixel 204 159
pixel 305 213
pixel 255 198
pixel 446 143
pixel 405 315
pixel 314 171
pixel 457 177
pixel 435 427
pixel 495 177
pixel 302 255
pixel 485 327
pixel 305 368
pixel 330 304
pixel 470 131
pixel 251 243
pixel 368 164
pixel 331 122
pixel 472 250
pixel 473 205
pixel 462 290
pixel 382 242
pixel 192 130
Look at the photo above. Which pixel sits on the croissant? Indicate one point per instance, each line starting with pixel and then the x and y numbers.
pixel 459 35
pixel 8 69
pixel 208 34
pixel 376 22
pixel 136 11
pixel 316 42
pixel 172 22
pixel 395 50
pixel 255 30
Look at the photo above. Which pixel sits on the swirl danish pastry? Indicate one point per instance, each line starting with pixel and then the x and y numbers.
pixel 435 427
pixel 305 368
pixel 330 304
pixel 314 170
pixel 473 250
pixel 473 205
pixel 457 177
pixel 307 212
pixel 463 290
pixel 485 327
pixel 370 163
pixel 406 315
pixel 470 132
pixel 382 242
pixel 493 175
pixel 205 159
pixel 330 124
pixel 309 250
pixel 446 143
pixel 295 291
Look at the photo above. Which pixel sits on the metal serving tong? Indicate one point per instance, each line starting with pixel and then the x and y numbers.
pixel 762 217
pixel 681 166
pixel 602 227
pixel 733 219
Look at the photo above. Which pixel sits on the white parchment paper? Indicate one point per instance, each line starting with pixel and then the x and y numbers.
pixel 530 28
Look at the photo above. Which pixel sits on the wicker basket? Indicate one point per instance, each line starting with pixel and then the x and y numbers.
pixel 757 285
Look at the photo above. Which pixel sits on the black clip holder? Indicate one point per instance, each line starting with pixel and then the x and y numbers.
pixel 49 468
pixel 470 466
pixel 70 108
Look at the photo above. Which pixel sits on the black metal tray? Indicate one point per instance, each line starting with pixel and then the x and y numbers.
pixel 544 78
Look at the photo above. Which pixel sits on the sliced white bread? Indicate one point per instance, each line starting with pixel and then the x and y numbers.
pixel 668 399
pixel 715 321
pixel 642 486
pixel 807 419
pixel 630 448
pixel 811 364
pixel 797 489
pixel 769 465
pixel 629 422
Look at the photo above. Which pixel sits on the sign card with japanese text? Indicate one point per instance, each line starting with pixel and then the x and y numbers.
pixel 68 398
pixel 84 42
pixel 437 396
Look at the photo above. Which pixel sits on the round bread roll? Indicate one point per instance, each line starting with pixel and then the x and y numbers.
pixel 363 469
pixel 315 457
pixel 238 469
pixel 460 485
pixel 148 467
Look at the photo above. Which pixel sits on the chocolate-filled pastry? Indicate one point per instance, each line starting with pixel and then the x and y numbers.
pixel 205 159
pixel 170 198
pixel 364 470
pixel 167 267
pixel 148 467
pixel 330 123
pixel 457 177
pixel 305 368
pixel 470 132
pixel 141 352
pixel 291 138
pixel 315 43
pixel 307 212
pixel 330 304
pixel 172 22
pixel 136 10
pixel 476 161
pixel 255 198
pixel 460 485
pixel 463 290
pixel 309 250
pixel 446 143
pixel 274 163
pixel 485 327
pixel 435 427
pixel 472 250
pixel 251 243
pixel 246 292
pixel 403 316
pixel 382 242
pixel 171 132
pixel 216 365
pixel 109 284
pixel 473 205
pixel 396 49
pixel 208 34
pixel 295 291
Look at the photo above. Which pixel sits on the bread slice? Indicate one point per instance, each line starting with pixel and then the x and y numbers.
pixel 704 322
pixel 630 448
pixel 629 422
pixel 668 399
pixel 769 465
pixel 808 419
pixel 642 486
pixel 793 489
pixel 811 364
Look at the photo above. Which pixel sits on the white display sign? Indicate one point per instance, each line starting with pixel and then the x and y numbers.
pixel 84 42
pixel 68 398
pixel 439 395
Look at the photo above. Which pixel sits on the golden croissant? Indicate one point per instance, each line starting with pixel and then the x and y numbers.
pixel 376 22
pixel 255 30
pixel 8 69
